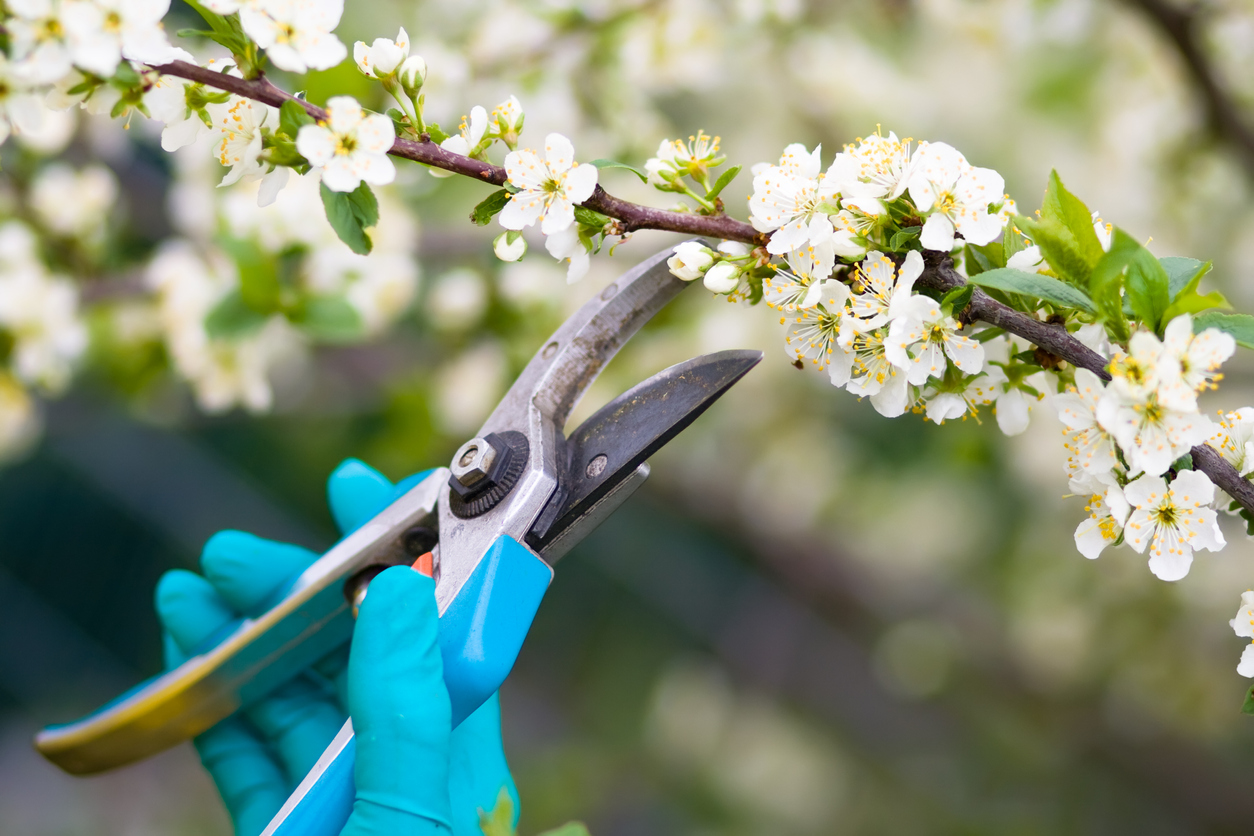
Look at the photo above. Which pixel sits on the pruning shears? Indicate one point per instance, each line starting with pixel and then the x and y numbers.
pixel 489 529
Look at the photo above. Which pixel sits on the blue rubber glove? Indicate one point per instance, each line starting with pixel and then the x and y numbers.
pixel 413 775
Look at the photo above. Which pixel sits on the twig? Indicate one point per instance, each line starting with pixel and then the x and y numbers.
pixel 938 275
pixel 1179 24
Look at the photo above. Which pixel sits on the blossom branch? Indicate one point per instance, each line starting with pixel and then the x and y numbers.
pixel 631 216
pixel 938 275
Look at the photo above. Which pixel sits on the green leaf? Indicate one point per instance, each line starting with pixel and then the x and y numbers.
pixel 1105 286
pixel 1069 214
pixel 1248 706
pixel 1059 249
pixel 330 318
pixel 1011 242
pixel 1183 288
pixel 574 828
pixel 1181 271
pixel 587 217
pixel 722 182
pixel 1035 285
pixel 956 301
pixel 436 133
pixel 611 164
pixel 1185 462
pixel 232 318
pixel 901 238
pixel 351 214
pixel 292 117
pixel 1240 326
pixel 1146 282
pixel 487 209
pixel 259 284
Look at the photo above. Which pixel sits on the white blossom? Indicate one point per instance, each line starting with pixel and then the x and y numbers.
pixel 690 261
pixel 873 170
pixel 40 313
pixel 21 110
pixel 955 196
pixel 1234 439
pixel 788 201
pixel 799 285
pixel 814 331
pixel 466 140
pixel 38 41
pixel 1029 260
pixel 384 56
pixel 881 289
pixel 1172 521
pixel 975 391
pixel 1243 626
pixel 239 142
pixel 1090 448
pixel 103 32
pixel 350 147
pixel 1108 511
pixel 1196 360
pixel 548 189
pixel 923 335
pixel 565 245
pixel 676 159
pixel 869 372
pixel 508 117
pixel 167 101
pixel 296 34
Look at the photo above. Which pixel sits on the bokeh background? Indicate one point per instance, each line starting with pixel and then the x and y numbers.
pixel 812 620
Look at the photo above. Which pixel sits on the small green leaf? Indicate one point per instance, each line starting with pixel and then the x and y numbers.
pixel 644 178
pixel 292 117
pixel 1181 271
pixel 976 262
pixel 1146 281
pixel 232 318
pixel 1011 242
pixel 1248 706
pixel 1035 285
pixel 330 318
pixel 436 133
pixel 901 238
pixel 1069 214
pixel 488 208
pixel 1183 284
pixel 351 214
pixel 955 301
pixel 1059 249
pixel 722 182
pixel 1240 326
pixel 1185 462
pixel 587 217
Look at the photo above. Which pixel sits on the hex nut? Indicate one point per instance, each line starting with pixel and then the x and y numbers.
pixel 473 462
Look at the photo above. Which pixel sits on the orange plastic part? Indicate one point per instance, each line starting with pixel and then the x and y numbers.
pixel 426 564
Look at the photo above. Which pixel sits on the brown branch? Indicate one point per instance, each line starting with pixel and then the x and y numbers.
pixel 938 275
pixel 1179 25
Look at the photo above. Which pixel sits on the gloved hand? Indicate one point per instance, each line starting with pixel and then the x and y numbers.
pixel 413 775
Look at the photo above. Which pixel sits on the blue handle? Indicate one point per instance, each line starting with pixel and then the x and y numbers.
pixel 481 633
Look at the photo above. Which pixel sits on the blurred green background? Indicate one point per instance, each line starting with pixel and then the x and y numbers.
pixel 812 620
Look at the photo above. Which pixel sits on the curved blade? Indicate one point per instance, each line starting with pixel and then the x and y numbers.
pixel 613 443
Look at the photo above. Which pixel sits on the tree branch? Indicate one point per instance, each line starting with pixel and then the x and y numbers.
pixel 1179 24
pixel 938 275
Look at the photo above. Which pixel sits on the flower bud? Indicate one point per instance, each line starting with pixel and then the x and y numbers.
pixel 723 277
pixel 380 59
pixel 690 261
pixel 509 246
pixel 508 117
pixel 412 74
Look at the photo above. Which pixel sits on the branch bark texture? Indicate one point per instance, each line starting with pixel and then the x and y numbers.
pixel 939 272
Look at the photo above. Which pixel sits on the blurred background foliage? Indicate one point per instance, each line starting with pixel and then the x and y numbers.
pixel 812 620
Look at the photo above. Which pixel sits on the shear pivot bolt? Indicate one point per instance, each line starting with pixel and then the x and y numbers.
pixel 473 462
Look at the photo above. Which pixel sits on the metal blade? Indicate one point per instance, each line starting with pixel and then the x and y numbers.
pixel 613 443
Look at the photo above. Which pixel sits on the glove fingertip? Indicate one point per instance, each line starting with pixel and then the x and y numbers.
pixel 189 608
pixel 356 492
pixel 248 571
